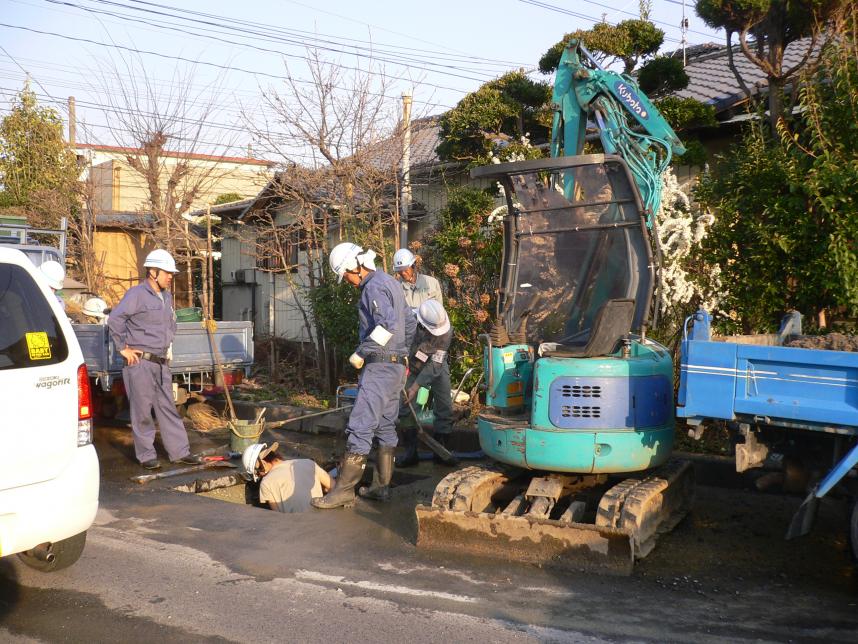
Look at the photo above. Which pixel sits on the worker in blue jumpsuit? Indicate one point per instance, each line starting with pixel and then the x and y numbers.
pixel 142 326
pixel 385 330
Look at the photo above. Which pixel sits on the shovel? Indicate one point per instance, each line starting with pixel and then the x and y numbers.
pixel 443 453
pixel 145 478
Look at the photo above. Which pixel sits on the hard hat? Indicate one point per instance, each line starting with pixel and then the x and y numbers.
pixel 251 457
pixel 55 273
pixel 94 307
pixel 432 315
pixel 159 258
pixel 343 258
pixel 402 259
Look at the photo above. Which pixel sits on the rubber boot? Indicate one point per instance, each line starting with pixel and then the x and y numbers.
pixel 380 488
pixel 343 494
pixel 411 457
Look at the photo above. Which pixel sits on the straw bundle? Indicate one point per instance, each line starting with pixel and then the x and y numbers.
pixel 205 417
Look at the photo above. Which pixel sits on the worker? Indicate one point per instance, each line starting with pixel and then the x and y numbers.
pixel 418 287
pixel 385 332
pixel 142 326
pixel 288 485
pixel 428 367
pixel 56 275
pixel 96 308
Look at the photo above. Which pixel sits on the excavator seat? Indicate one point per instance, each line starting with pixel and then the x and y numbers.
pixel 613 322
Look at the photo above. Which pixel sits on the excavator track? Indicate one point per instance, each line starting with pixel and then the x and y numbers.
pixel 502 512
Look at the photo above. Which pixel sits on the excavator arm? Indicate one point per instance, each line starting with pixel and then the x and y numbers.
pixel 628 124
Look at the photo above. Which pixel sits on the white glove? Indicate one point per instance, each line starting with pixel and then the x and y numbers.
pixel 356 361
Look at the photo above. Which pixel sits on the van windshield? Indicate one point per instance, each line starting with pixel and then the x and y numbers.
pixel 30 335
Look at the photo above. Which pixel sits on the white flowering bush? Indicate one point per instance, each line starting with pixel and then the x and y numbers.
pixel 681 228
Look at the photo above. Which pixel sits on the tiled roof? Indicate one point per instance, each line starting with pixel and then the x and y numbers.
pixel 183 155
pixel 711 80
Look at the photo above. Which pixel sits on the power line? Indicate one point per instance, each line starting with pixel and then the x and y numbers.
pixel 337 49
pixel 660 22
pixel 206 63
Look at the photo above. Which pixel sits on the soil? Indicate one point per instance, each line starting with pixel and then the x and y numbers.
pixel 830 342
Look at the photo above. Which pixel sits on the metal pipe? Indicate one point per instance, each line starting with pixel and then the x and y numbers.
pixel 43 552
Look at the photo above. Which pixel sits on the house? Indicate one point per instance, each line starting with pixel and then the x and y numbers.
pixel 125 227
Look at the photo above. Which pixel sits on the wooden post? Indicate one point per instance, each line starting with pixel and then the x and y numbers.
pixel 405 184
pixel 209 263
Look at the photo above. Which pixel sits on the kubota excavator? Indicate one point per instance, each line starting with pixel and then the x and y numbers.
pixel 576 392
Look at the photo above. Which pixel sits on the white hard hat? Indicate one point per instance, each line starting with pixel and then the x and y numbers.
pixel 402 259
pixel 432 315
pixel 344 258
pixel 159 258
pixel 94 307
pixel 251 457
pixel 55 273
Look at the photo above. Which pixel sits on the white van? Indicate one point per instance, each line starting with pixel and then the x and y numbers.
pixel 48 466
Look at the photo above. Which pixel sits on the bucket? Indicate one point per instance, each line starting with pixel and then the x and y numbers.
pixel 243 434
pixel 191 314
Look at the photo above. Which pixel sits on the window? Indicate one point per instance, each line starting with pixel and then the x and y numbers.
pixel 30 335
pixel 277 250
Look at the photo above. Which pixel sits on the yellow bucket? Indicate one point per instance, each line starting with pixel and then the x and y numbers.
pixel 243 434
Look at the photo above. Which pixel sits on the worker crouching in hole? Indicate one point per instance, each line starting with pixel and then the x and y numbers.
pixel 285 485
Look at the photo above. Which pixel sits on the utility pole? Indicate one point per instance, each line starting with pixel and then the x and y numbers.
pixel 72 124
pixel 405 184
pixel 684 28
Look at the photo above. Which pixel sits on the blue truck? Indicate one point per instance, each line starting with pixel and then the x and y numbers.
pixel 196 355
pixel 784 403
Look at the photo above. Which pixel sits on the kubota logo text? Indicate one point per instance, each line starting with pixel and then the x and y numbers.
pixel 49 382
pixel 631 99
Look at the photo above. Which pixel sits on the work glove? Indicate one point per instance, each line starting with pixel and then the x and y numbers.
pixel 411 392
pixel 356 361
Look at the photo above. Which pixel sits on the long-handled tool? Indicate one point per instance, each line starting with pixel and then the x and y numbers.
pixel 279 423
pixel 145 478
pixel 443 453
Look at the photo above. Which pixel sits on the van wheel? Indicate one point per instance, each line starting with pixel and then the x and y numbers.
pixel 65 552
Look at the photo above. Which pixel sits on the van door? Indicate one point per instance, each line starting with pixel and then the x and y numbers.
pixel 38 383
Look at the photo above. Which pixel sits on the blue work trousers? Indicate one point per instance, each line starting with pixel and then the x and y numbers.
pixel 150 388
pixel 376 407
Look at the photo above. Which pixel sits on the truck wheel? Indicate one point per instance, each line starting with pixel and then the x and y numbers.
pixel 853 531
pixel 65 552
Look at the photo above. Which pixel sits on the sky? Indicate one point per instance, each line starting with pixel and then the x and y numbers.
pixel 234 51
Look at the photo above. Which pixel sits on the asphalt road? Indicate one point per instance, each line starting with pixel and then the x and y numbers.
pixel 171 567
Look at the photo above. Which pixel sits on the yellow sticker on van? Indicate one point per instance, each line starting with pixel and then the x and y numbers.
pixel 38 345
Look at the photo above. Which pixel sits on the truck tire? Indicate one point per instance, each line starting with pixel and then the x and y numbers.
pixel 66 552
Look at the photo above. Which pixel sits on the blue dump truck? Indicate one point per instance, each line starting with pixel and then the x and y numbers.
pixel 786 405
pixel 196 354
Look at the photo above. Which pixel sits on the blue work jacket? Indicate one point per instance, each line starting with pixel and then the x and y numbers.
pixel 142 320
pixel 382 302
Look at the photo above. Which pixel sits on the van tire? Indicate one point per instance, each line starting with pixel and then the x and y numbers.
pixel 66 552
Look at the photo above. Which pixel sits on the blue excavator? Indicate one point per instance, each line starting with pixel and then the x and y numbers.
pixel 579 414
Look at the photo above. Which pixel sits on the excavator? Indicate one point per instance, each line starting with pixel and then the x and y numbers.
pixel 579 414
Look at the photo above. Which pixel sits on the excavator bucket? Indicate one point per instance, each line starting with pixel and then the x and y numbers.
pixel 499 513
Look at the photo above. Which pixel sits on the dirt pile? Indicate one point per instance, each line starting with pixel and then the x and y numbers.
pixel 830 342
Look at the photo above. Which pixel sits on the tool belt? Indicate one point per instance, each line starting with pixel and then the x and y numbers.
pixel 151 357
pixel 386 357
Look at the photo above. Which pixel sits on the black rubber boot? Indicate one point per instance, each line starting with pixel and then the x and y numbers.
pixel 380 488
pixel 409 441
pixel 343 494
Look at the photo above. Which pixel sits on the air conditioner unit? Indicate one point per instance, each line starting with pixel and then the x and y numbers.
pixel 240 276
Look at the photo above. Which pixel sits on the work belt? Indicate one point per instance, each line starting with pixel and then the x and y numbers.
pixel 151 357
pixel 380 357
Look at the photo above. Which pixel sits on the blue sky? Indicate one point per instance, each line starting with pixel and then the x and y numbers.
pixel 438 50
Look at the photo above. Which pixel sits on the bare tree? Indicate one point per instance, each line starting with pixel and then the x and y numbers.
pixel 338 140
pixel 174 139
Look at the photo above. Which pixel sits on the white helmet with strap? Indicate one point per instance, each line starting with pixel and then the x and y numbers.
pixel 94 307
pixel 251 457
pixel 159 258
pixel 402 259
pixel 55 274
pixel 431 314
pixel 346 257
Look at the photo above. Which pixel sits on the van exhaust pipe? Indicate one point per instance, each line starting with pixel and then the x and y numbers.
pixel 43 552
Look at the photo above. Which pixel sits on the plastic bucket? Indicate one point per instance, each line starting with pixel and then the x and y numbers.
pixel 243 434
pixel 192 314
